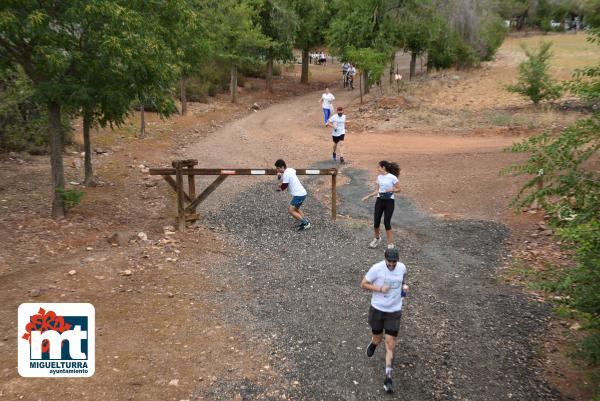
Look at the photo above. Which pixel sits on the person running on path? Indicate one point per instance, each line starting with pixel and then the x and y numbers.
pixel 387 281
pixel 351 76
pixel 326 101
pixel 345 69
pixel 387 185
pixel 338 122
pixel 289 180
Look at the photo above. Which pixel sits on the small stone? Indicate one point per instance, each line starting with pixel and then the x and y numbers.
pixel 170 294
pixel 72 272
pixel 118 239
pixel 142 236
pixel 89 259
pixel 150 184
pixel 174 382
pixel 35 293
pixel 575 326
pixel 126 272
pixel 89 248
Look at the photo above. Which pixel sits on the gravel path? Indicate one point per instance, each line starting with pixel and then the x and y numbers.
pixel 464 336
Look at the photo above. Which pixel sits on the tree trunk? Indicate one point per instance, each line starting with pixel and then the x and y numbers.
pixel 87 146
pixel 392 63
pixel 183 96
pixel 56 159
pixel 360 86
pixel 233 84
pixel 413 65
pixel 270 75
pixel 365 80
pixel 304 74
pixel 142 122
pixel 532 9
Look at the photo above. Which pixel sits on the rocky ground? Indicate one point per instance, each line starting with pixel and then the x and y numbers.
pixel 463 336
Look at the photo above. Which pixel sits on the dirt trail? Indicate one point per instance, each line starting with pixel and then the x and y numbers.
pixel 234 314
pixel 467 336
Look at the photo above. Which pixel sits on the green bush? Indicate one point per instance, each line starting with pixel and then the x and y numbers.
pixel 257 69
pixel 492 34
pixel 451 50
pixel 567 167
pixel 535 83
pixel 23 121
pixel 70 197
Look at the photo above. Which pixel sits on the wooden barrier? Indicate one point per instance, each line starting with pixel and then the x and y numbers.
pixel 187 202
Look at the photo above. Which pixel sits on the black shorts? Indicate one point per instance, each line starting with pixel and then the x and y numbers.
pixel 388 321
pixel 336 139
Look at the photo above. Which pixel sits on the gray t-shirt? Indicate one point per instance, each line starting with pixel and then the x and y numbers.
pixel 378 275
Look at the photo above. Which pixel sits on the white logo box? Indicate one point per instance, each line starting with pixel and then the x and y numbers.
pixel 81 365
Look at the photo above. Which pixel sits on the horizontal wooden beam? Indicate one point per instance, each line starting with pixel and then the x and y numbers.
pixel 238 171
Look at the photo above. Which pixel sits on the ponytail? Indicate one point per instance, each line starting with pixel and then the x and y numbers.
pixel 390 167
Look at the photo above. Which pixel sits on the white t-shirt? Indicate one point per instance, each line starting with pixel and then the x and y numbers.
pixel 339 124
pixel 386 181
pixel 327 99
pixel 295 188
pixel 378 275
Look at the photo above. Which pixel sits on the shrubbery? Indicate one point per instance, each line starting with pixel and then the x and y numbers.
pixel 569 169
pixel 23 121
pixel 535 82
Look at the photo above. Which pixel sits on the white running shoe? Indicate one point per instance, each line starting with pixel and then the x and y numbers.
pixel 375 243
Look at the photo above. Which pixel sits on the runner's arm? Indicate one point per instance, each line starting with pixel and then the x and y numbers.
pixel 395 188
pixel 366 285
pixel 372 194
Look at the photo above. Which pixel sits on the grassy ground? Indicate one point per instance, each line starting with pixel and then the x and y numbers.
pixel 570 51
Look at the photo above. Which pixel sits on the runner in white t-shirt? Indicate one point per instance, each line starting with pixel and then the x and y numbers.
pixel 289 180
pixel 338 122
pixel 387 281
pixel 387 185
pixel 326 101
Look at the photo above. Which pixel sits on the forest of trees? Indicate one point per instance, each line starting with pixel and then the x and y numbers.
pixel 99 60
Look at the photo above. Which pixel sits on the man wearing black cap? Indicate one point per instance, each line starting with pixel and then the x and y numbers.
pixel 387 281
pixel 338 122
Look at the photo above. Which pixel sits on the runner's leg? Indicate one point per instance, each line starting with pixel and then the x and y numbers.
pixel 379 208
pixel 387 220
pixel 390 345
pixel 294 212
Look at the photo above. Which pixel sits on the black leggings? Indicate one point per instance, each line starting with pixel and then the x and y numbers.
pixel 384 206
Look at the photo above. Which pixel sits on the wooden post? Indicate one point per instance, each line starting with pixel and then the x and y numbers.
pixel 333 196
pixel 191 185
pixel 180 206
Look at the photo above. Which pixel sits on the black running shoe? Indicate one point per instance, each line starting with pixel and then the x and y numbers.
pixel 304 227
pixel 387 385
pixel 371 349
pixel 342 160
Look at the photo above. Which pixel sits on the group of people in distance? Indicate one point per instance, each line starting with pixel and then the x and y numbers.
pixel 319 58
pixel 386 279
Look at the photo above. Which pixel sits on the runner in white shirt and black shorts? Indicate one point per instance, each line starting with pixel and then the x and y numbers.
pixel 387 281
pixel 290 181
pixel 338 122
pixel 387 185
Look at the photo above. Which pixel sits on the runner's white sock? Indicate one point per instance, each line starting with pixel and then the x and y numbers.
pixel 388 372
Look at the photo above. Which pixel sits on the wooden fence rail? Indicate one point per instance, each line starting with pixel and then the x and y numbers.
pixel 187 202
